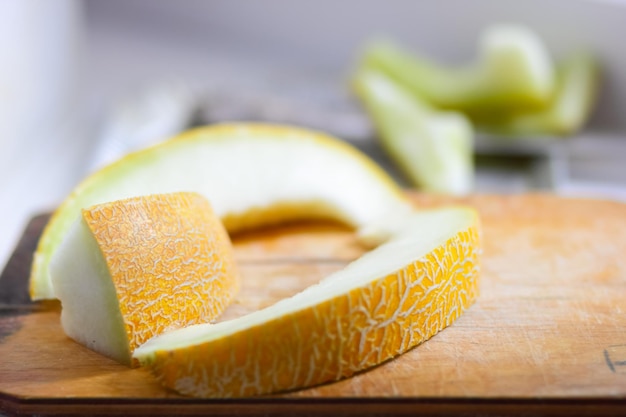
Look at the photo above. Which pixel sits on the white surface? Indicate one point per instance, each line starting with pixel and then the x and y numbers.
pixel 38 45
pixel 39 48
pixel 250 46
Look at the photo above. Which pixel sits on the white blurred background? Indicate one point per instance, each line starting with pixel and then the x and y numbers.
pixel 82 82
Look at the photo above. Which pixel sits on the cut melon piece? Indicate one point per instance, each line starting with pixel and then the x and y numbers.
pixel 433 148
pixel 252 174
pixel 567 111
pixel 131 269
pixel 384 303
pixel 514 72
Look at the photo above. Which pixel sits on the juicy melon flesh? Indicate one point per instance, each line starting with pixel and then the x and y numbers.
pixel 252 174
pixel 384 303
pixel 131 269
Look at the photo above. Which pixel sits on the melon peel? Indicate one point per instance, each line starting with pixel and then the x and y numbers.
pixel 384 303
pixel 280 173
pixel 131 269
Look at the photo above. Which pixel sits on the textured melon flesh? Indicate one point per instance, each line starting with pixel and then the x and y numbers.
pixel 513 72
pixel 131 269
pixel 433 148
pixel 389 300
pixel 253 175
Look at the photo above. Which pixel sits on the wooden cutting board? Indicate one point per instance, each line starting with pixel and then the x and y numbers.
pixel 546 336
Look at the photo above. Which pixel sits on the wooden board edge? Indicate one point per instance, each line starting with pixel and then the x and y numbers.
pixel 276 406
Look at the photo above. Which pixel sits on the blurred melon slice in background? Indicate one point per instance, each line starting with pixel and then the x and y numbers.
pixel 513 72
pixel 567 111
pixel 131 269
pixel 432 147
pixel 253 175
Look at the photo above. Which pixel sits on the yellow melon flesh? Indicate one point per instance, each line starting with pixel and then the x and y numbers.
pixel 252 174
pixel 131 269
pixel 386 302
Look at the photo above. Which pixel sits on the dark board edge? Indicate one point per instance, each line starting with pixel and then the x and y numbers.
pixel 14 277
pixel 280 406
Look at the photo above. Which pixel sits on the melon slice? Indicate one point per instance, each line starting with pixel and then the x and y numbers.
pixel 513 72
pixel 566 112
pixel 384 303
pixel 131 269
pixel 252 174
pixel 434 148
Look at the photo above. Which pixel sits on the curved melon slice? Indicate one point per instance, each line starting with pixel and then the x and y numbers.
pixel 514 72
pixel 389 300
pixel 252 174
pixel 131 269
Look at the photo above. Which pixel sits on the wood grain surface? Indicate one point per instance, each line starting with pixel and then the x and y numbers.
pixel 547 335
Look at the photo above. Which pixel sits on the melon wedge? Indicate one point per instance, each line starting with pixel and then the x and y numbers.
pixel 252 174
pixel 433 147
pixel 577 86
pixel 131 269
pixel 384 303
pixel 513 72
